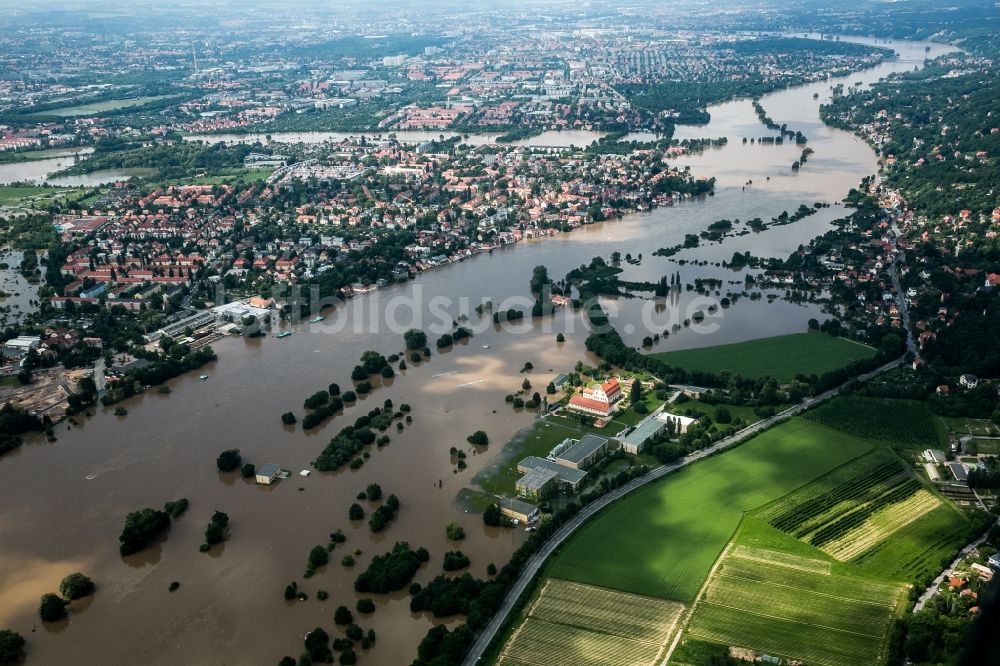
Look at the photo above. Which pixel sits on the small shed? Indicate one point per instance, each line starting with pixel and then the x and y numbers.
pixel 267 473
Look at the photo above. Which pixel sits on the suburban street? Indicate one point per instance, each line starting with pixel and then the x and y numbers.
pixel 904 314
pixel 936 583
pixel 534 564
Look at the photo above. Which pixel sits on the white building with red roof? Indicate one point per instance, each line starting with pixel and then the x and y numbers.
pixel 597 400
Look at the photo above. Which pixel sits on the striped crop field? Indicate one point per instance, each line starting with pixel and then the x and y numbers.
pixel 574 624
pixel 854 508
pixel 878 526
pixel 783 606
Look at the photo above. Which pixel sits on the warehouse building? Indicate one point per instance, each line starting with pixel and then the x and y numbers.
pixel 20 346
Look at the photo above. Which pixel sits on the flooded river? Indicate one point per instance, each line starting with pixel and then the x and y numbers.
pixel 41 171
pixel 65 502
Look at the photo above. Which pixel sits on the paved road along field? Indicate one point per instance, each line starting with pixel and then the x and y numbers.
pixel 534 564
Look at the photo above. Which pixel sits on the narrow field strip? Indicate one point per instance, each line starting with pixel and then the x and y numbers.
pixel 788 560
pixel 778 637
pixel 801 590
pixel 793 621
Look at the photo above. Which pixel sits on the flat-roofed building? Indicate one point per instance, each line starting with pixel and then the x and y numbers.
pixel 636 440
pixel 567 477
pixel 584 453
pixel 537 484
pixel 267 473
pixel 519 510
pixel 21 345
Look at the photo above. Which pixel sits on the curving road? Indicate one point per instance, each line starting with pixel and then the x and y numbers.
pixel 534 564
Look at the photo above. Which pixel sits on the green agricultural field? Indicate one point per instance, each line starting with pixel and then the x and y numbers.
pixel 900 423
pixel 579 625
pixel 100 107
pixel 921 547
pixel 673 531
pixel 782 357
pixel 770 600
pixel 875 513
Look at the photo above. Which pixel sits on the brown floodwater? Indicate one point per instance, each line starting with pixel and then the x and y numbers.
pixel 65 502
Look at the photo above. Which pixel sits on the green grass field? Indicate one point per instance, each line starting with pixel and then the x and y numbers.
pixel 30 195
pixel 777 596
pixel 780 357
pixel 99 107
pixel 663 539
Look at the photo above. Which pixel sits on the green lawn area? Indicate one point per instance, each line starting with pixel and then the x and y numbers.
pixel 30 195
pixel 663 539
pixel 99 107
pixel 781 357
pixel 473 500
pixel 9 380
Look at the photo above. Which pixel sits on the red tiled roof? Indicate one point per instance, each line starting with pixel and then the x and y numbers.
pixel 590 403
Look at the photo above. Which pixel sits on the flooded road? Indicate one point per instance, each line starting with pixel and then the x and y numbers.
pixel 65 502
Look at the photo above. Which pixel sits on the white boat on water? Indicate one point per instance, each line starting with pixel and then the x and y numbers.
pixel 486 346
pixel 203 377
